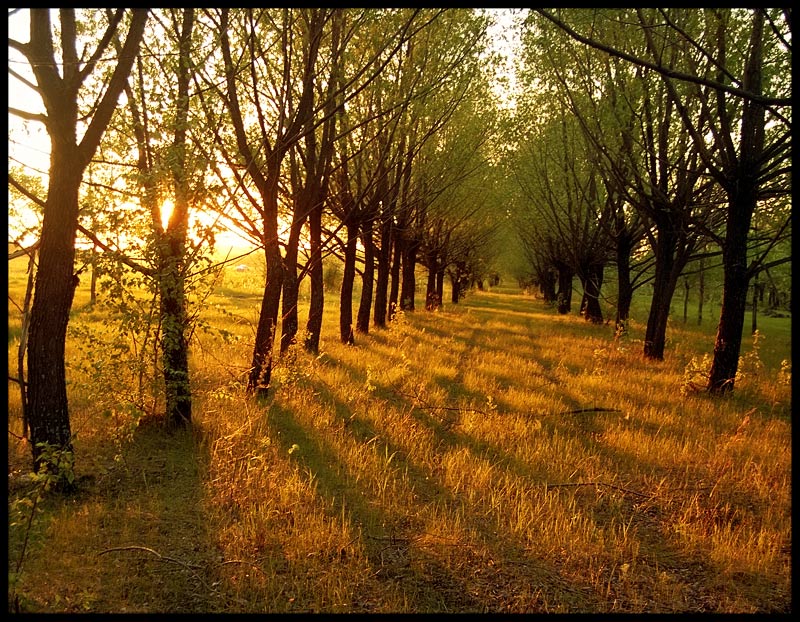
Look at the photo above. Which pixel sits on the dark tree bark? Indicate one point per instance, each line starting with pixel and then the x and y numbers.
pixel 394 291
pixel 172 283
pixel 623 249
pixel 384 266
pixel 261 154
pixel 547 285
pixel 317 301
pixel 440 284
pixel 261 365
pixel 291 284
pixel 458 280
pixel 564 296
pixel 736 281
pixel 455 294
pixel 174 344
pixel 367 279
pixel 346 293
pixel 743 190
pixel 754 322
pixel 48 412
pixel 55 281
pixel 432 300
pixel 686 290
pixel 169 238
pixel 408 285
pixel 592 284
pixel 670 261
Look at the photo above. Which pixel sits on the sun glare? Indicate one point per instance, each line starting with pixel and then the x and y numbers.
pixel 167 207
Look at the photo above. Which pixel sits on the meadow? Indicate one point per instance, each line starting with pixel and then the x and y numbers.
pixel 490 457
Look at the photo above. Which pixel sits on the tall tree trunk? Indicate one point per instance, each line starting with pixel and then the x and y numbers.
pixel 754 322
pixel 455 286
pixel 394 292
pixel 408 286
pixel 172 280
pixel 547 285
pixel 431 301
pixel 669 265
pixel 384 266
pixel 346 293
pixel 317 301
pixel 736 281
pixel 624 286
pixel 367 279
pixel 729 331
pixel 564 295
pixel 174 346
pixel 48 411
pixel 742 199
pixel 261 366
pixel 52 299
pixel 291 284
pixel 440 283
pixel 686 290
pixel 592 286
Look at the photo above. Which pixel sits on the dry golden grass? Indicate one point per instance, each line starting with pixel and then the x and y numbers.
pixel 493 457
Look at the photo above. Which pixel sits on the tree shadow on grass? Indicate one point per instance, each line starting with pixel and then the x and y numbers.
pixel 132 538
pixel 500 569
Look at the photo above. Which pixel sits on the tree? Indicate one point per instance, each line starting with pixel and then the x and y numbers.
pixel 63 84
pixel 654 166
pixel 170 238
pixel 734 65
pixel 563 191
pixel 269 63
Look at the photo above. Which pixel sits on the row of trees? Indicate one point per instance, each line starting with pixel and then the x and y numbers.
pixel 656 138
pixel 362 132
pixel 372 135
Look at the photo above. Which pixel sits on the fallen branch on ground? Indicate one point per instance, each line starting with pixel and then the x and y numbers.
pixel 597 484
pixel 162 558
pixel 589 410
pixel 427 406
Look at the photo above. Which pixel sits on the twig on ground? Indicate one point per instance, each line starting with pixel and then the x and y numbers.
pixel 589 410
pixel 427 406
pixel 162 558
pixel 596 484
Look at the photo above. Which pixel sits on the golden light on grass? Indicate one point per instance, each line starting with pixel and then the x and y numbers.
pixel 494 457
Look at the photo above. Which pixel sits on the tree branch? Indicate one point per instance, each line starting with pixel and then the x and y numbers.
pixel 28 116
pixel 126 260
pixel 670 73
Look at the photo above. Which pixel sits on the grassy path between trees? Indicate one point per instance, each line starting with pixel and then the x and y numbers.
pixel 492 457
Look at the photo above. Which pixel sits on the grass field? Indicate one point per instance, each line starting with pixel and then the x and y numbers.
pixel 491 457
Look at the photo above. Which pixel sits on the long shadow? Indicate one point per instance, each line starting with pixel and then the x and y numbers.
pixel 386 538
pixel 584 427
pixel 645 517
pixel 434 583
pixel 143 519
pixel 602 507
